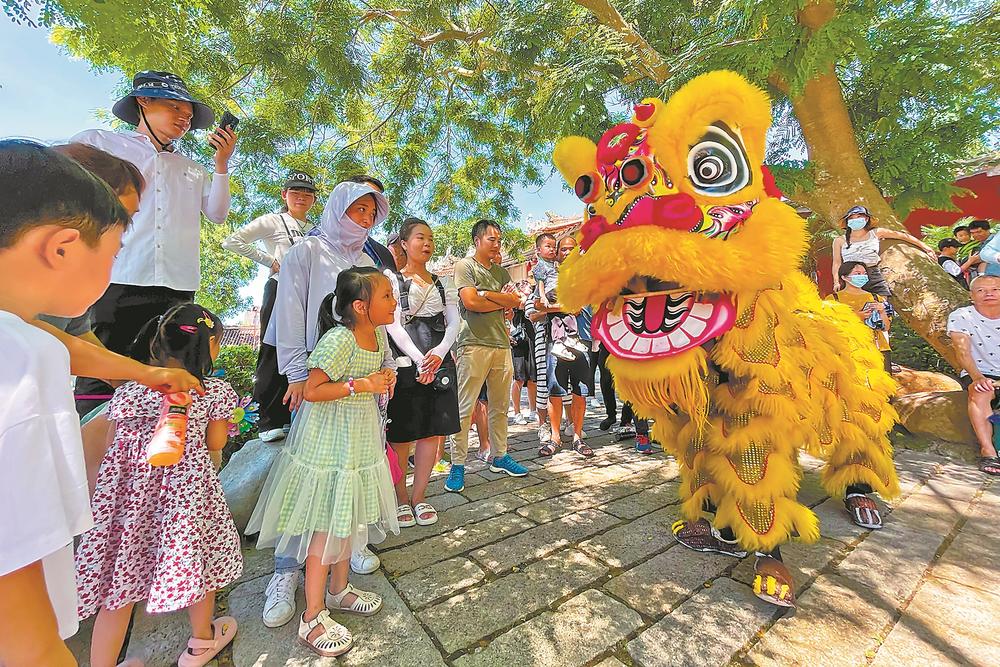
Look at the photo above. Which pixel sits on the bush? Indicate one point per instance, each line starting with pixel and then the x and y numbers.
pixel 912 351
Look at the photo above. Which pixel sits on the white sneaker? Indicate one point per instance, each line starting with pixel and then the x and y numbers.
pixel 567 428
pixel 560 351
pixel 364 561
pixel 530 415
pixel 274 435
pixel 279 607
pixel 519 419
pixel 594 403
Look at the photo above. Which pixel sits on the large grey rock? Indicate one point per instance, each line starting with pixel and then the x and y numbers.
pixel 707 629
pixel 940 414
pixel 158 639
pixel 244 476
pixel 945 624
pixel 543 540
pixel 836 624
pixel 458 541
pixel 658 585
pixel 578 631
pixel 464 619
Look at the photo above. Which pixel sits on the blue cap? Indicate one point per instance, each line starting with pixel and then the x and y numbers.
pixel 857 210
pixel 164 85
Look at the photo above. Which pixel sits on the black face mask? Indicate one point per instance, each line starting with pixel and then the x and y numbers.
pixel 169 146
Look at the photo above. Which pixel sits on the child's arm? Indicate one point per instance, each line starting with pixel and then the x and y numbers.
pixel 30 633
pixel 216 438
pixel 319 386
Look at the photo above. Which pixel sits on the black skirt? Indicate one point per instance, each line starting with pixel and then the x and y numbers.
pixel 421 411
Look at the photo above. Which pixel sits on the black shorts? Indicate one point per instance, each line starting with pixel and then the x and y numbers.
pixel 524 370
pixel 966 382
pixel 570 377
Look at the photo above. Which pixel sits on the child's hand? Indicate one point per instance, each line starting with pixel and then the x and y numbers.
pixel 171 380
pixel 376 383
pixel 391 377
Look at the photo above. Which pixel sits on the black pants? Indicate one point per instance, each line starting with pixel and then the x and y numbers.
pixel 607 384
pixel 269 386
pixel 118 316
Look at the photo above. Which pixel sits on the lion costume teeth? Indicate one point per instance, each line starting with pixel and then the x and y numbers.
pixel 740 363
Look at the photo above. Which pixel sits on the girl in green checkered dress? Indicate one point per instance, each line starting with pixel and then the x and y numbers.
pixel 331 491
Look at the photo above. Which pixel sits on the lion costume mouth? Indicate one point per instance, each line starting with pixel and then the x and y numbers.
pixel 662 324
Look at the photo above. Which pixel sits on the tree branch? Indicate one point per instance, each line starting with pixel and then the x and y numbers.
pixel 650 60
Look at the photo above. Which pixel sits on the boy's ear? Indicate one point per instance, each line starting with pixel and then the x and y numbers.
pixel 57 243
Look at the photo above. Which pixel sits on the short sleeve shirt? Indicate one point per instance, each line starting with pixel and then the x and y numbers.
pixel 482 329
pixel 44 500
pixel 985 335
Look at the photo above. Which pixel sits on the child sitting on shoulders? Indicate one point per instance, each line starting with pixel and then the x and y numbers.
pixel 163 534
pixel 331 492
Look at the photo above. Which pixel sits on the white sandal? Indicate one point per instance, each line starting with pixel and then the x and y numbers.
pixel 425 508
pixel 365 603
pixel 335 640
pixel 405 510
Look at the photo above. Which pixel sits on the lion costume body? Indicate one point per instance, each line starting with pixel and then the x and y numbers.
pixel 712 330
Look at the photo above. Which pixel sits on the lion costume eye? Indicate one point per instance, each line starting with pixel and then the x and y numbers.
pixel 717 164
pixel 635 172
pixel 586 188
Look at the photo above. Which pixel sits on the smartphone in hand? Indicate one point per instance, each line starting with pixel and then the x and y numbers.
pixel 228 122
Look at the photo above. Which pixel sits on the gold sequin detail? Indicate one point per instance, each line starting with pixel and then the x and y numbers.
pixel 783 390
pixel 845 412
pixel 871 411
pixel 747 314
pixel 750 465
pixel 860 460
pixel 765 349
pixel 759 516
pixel 824 432
pixel 742 420
pixel 831 383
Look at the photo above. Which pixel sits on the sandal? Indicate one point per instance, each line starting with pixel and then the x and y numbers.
pixel 989 465
pixel 548 449
pixel 365 603
pixel 863 510
pixel 702 536
pixel 420 509
pixel 224 628
pixel 772 582
pixel 581 448
pixel 402 511
pixel 335 640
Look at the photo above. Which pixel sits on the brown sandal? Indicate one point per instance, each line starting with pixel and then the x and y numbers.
pixel 773 582
pixel 581 448
pixel 548 449
pixel 701 536
pixel 863 510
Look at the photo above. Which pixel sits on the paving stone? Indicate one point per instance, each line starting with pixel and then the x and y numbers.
pixel 578 631
pixel 439 580
pixel 391 637
pixel 499 486
pixel 461 515
pixel 485 610
pixel 647 501
pixel 591 496
pixel 982 517
pixel 445 501
pixel 460 540
pixel 811 491
pixel 972 560
pixel 804 561
pixel 543 540
pixel 891 561
pixel 945 623
pixel 610 662
pixel 79 644
pixel 836 623
pixel 957 482
pixel 658 585
pixel 626 545
pixel 707 629
pixel 924 511
pixel 158 639
pixel 835 523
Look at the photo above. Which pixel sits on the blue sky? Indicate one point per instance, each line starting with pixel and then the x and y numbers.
pixel 46 95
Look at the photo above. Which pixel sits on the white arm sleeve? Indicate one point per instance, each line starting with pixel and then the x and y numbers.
pixel 242 241
pixel 453 322
pixel 399 335
pixel 215 203
pixel 290 309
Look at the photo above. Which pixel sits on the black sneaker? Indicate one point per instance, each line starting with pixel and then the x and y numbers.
pixel 607 423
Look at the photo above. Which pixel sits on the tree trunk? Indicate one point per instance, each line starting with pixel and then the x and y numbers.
pixel 923 294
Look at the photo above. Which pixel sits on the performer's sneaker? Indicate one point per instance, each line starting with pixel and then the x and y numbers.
pixel 700 535
pixel 642 444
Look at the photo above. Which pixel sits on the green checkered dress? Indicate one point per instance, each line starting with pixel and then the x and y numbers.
pixel 333 477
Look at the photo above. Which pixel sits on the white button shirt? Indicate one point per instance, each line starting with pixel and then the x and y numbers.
pixel 162 246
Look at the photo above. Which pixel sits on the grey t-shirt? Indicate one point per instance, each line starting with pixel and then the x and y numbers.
pixel 483 329
pixel 74 326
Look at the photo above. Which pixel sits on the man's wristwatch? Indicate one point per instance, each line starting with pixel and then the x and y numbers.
pixel 481 293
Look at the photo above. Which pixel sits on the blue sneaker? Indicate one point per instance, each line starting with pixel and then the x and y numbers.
pixel 456 479
pixel 643 445
pixel 507 464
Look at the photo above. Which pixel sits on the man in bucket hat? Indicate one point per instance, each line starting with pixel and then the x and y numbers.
pixel 159 265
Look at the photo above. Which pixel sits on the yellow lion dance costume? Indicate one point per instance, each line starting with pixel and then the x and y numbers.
pixel 692 260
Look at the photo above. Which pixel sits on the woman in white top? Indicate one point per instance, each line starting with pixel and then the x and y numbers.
pixel 860 243
pixel 424 408
pixel 276 232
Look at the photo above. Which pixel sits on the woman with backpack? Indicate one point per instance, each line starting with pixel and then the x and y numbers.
pixel 424 407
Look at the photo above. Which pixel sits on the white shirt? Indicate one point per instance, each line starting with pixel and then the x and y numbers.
pixel 864 251
pixel 425 302
pixel 161 248
pixel 276 231
pixel 985 335
pixel 44 500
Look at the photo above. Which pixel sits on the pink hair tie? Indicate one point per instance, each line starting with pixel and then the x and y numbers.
pixel 187 328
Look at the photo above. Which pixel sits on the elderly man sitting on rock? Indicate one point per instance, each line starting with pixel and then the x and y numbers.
pixel 975 332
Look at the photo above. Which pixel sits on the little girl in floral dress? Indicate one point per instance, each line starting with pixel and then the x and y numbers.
pixel 163 534
pixel 331 491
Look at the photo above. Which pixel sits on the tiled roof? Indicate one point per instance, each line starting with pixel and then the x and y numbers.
pixel 241 335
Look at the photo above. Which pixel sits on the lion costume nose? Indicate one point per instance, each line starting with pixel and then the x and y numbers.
pixel 676 211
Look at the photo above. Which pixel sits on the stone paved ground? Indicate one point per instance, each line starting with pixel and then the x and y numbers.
pixel 575 565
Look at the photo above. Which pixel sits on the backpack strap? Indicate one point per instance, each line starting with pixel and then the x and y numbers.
pixel 440 287
pixel 404 292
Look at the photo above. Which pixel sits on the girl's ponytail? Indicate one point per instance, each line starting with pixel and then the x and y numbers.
pixel 182 334
pixel 327 320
